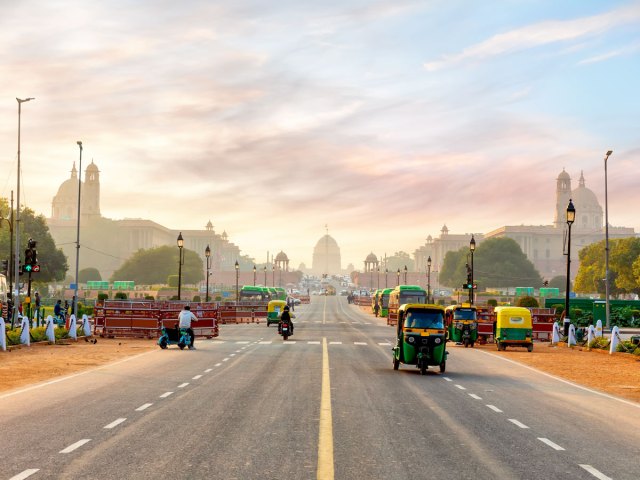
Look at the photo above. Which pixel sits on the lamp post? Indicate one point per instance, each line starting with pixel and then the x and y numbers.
pixel 254 275
pixel 265 275
pixel 16 272
pixel 237 279
pixel 398 282
pixel 386 277
pixel 10 260
pixel 606 242
pixel 405 274
pixel 472 248
pixel 429 279
pixel 207 254
pixel 180 261
pixel 273 275
pixel 75 290
pixel 571 217
pixel 378 275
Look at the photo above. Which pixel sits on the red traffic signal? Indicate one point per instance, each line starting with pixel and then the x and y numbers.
pixel 36 268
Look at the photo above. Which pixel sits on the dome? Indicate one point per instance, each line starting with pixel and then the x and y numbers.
pixel 371 258
pixel 564 175
pixel 282 257
pixel 584 199
pixel 92 168
pixel 326 241
pixel 68 190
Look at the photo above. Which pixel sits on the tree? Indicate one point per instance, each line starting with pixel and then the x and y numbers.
pixel 398 261
pixel 559 282
pixel 153 266
pixel 527 302
pixel 623 253
pixel 52 261
pixel 89 274
pixel 590 276
pixel 498 262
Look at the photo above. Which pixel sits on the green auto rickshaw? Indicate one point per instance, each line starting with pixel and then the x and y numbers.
pixel 274 310
pixel 420 338
pixel 514 328
pixel 462 324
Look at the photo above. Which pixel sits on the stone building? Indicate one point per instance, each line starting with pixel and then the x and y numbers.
pixel 326 257
pixel 106 243
pixel 544 245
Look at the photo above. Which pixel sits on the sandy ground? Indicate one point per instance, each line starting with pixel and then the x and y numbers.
pixel 617 374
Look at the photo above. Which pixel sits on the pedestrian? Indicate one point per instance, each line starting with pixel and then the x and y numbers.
pixel 57 313
pixel 185 317
pixel 37 304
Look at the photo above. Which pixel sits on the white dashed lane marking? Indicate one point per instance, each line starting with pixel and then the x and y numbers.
pixel 460 387
pixel 143 407
pixel 25 474
pixel 115 423
pixel 165 395
pixel 553 445
pixel 197 377
pixel 494 408
pixel 313 343
pixel 473 395
pixel 447 379
pixel 75 446
pixel 182 385
pixel 517 423
pixel 266 343
pixel 385 344
pixel 242 343
pixel 208 370
pixel 359 343
pixel 335 343
pixel 217 364
pixel 594 472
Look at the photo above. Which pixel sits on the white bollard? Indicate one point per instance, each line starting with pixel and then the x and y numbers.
pixel 591 335
pixel 86 326
pixel 615 339
pixel 3 335
pixel 51 336
pixel 571 341
pixel 555 337
pixel 73 330
pixel 599 328
pixel 25 339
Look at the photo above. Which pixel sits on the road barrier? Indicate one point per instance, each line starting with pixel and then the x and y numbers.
pixel 121 318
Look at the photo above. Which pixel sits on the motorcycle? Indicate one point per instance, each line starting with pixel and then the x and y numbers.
pixel 174 336
pixel 285 330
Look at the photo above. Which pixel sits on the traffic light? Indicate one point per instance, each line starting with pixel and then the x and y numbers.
pixel 5 267
pixel 469 286
pixel 28 260
pixel 31 257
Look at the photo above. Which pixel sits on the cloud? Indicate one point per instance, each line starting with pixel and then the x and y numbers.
pixel 539 34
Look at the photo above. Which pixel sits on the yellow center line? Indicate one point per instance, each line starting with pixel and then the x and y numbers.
pixel 325 440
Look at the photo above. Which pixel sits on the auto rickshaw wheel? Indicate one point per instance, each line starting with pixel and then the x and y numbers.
pixel 530 347
pixel 472 343
pixel 423 369
pixel 466 343
pixel 443 366
pixel 181 346
pixel 396 364
pixel 163 343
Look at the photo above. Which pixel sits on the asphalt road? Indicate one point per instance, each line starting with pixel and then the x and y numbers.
pixel 325 404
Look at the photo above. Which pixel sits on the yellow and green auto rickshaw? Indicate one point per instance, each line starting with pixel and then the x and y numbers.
pixel 274 310
pixel 462 324
pixel 420 338
pixel 513 328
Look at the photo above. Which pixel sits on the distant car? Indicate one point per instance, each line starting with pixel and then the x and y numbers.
pixel 297 301
pixel 344 293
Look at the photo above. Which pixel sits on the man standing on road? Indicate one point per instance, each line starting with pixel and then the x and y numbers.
pixel 185 317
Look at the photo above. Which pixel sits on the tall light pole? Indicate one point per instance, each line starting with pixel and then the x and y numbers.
pixel 398 282
pixel 254 275
pixel 237 278
pixel 378 275
pixel 273 275
pixel 472 248
pixel 405 274
pixel 606 242
pixel 429 279
pixel 386 277
pixel 180 261
pixel 75 290
pixel 265 275
pixel 16 224
pixel 571 217
pixel 207 254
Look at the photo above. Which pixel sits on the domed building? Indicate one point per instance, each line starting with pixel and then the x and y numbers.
pixel 326 257
pixel 65 203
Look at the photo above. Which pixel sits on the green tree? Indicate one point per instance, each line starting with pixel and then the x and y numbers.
pixel 498 262
pixel 590 275
pixel 559 282
pixel 89 274
pixel 153 266
pixel 623 253
pixel 398 261
pixel 52 261
pixel 527 302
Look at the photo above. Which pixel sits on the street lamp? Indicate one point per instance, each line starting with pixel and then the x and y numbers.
pixel 180 261
pixel 75 290
pixel 398 282
pixel 405 274
pixel 472 248
pixel 207 254
pixel 571 217
pixel 429 279
pixel 378 275
pixel 273 275
pixel 386 277
pixel 606 242
pixel 254 275
pixel 237 278
pixel 265 275
pixel 16 298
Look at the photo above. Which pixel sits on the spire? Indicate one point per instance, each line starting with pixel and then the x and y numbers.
pixel 74 171
pixel 581 184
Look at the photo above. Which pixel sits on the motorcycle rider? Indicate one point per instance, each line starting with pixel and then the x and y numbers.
pixel 285 317
pixel 185 318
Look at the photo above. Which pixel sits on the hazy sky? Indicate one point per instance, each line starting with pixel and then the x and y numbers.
pixel 383 119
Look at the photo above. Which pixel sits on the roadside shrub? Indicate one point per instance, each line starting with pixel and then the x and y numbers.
pixel 492 302
pixel 120 296
pixel 102 297
pixel 527 301
pixel 600 342
pixel 196 298
pixel 149 297
pixel 626 346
